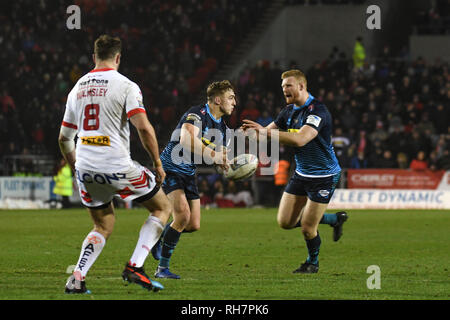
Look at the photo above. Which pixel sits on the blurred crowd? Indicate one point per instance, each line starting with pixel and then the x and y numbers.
pixel 390 112
pixel 170 58
pixel 435 19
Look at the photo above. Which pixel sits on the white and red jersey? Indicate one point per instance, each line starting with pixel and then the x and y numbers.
pixel 99 107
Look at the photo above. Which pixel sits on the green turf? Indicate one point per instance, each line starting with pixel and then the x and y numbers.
pixel 237 254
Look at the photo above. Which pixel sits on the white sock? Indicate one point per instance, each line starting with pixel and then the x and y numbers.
pixel 148 236
pixel 90 250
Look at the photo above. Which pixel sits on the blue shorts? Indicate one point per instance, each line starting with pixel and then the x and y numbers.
pixel 175 181
pixel 317 189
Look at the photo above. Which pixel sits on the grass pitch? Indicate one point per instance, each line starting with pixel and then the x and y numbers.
pixel 239 254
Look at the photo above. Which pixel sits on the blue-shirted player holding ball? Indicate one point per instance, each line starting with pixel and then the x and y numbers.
pixel 200 132
pixel 306 124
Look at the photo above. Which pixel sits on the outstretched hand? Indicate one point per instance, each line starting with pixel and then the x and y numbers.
pixel 249 124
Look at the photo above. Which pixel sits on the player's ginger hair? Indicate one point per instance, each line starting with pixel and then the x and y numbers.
pixel 297 74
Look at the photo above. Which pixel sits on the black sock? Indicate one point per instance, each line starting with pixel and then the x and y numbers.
pixel 313 249
pixel 169 243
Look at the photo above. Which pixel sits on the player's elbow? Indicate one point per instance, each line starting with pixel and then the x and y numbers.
pixel 303 139
pixel 300 141
pixel 62 138
pixel 144 131
pixel 186 141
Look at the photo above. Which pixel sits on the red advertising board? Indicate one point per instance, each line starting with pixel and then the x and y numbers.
pixel 393 179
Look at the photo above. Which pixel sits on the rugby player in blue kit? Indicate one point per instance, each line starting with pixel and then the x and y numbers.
pixel 306 124
pixel 201 133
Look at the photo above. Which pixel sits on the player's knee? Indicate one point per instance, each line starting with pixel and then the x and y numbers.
pixel 308 230
pixel 182 217
pixel 283 223
pixel 192 227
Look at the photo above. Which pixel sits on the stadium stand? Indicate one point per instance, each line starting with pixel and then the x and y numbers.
pixel 170 58
pixel 433 18
pixel 393 105
pixel 385 113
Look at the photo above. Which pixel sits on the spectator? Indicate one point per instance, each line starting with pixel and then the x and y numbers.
pixel 443 162
pixel 219 196
pixel 240 198
pixel 419 163
pixel 205 193
pixel 359 54
pixel 341 144
pixel 7 103
pixel 441 118
pixel 397 140
pixel 359 161
pixel 387 161
pixel 402 161
pixel 244 197
pixel 379 133
pixel 63 183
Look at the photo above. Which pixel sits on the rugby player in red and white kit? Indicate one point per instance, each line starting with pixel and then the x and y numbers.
pixel 98 110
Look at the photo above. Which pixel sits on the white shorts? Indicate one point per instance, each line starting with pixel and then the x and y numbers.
pixel 98 189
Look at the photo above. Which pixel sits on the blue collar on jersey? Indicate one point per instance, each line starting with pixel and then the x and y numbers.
pixel 210 114
pixel 307 103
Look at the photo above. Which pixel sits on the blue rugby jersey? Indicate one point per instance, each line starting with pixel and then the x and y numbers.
pixel 200 115
pixel 317 157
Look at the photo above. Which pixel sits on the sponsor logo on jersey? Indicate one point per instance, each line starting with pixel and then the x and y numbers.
pixel 193 117
pixel 96 141
pixel 314 120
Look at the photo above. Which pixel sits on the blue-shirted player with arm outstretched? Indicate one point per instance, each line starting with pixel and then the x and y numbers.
pixel 200 134
pixel 306 124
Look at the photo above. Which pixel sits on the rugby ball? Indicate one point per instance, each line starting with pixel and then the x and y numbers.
pixel 241 167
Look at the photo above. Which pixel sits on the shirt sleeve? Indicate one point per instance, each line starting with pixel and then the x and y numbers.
pixel 70 116
pixel 281 119
pixel 317 117
pixel 134 102
pixel 194 117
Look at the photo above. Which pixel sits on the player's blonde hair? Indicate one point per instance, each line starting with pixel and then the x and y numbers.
pixel 297 74
pixel 218 88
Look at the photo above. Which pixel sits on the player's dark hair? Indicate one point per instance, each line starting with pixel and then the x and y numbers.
pixel 218 88
pixel 106 47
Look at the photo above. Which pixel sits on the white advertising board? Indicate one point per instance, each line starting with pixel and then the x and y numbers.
pixel 390 199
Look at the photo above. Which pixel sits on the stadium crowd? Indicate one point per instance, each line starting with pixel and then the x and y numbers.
pixel 390 113
pixel 169 58
pixel 435 19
